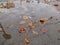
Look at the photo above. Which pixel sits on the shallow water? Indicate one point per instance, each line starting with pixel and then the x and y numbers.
pixel 15 16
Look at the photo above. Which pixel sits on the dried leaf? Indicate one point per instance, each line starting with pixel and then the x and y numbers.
pixel 36 25
pixel 43 20
pixel 26 41
pixel 25 17
pixel 22 22
pixel 30 24
pixel 22 30
pixel 34 32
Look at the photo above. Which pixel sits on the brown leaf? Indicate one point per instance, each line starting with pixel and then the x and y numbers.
pixel 25 17
pixel 26 41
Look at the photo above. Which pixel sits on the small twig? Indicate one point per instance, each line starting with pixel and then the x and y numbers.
pixel 2 28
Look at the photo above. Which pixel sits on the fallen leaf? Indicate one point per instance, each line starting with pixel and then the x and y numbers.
pixel 34 32
pixel 43 20
pixel 35 25
pixel 30 24
pixel 22 22
pixel 25 17
pixel 26 41
pixel 22 30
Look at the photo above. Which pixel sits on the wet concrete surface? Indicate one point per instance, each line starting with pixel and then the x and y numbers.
pixel 15 16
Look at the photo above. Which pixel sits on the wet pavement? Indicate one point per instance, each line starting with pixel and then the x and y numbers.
pixel 15 15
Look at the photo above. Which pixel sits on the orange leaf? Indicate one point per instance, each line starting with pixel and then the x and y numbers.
pixel 26 41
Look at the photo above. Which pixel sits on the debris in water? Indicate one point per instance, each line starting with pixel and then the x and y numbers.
pixel 22 22
pixel 26 41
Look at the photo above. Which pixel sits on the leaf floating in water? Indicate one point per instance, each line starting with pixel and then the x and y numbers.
pixel 22 22
pixel 30 24
pixel 34 32
pixel 35 26
pixel 7 36
pixel 22 30
pixel 25 17
pixel 43 20
pixel 1 30
pixel 44 30
pixel 26 41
